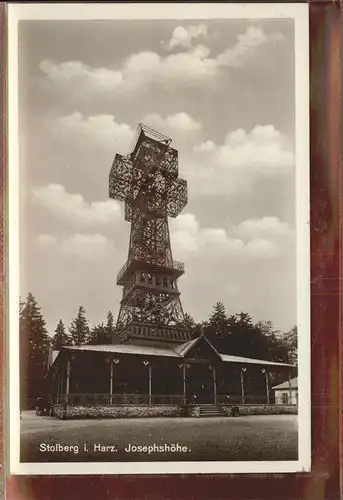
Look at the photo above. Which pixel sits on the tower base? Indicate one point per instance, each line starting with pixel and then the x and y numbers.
pixel 138 333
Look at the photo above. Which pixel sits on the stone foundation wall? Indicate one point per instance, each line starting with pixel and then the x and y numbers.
pixel 260 410
pixel 97 411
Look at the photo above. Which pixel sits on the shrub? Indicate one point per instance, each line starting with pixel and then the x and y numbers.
pixel 231 411
pixel 99 411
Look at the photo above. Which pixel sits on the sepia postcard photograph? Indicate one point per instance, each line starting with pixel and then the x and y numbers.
pixel 159 238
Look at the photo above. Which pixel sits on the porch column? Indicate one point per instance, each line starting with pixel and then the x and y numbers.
pixel 61 384
pixel 290 388
pixel 111 380
pixel 184 382
pixel 57 386
pixel 148 364
pixel 242 384
pixel 265 371
pixel 149 367
pixel 68 380
pixel 53 387
pixel 113 361
pixel 214 385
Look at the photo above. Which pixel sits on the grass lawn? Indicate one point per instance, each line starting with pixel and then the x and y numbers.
pixel 246 438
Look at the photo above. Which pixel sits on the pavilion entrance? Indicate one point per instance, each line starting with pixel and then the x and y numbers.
pixel 200 383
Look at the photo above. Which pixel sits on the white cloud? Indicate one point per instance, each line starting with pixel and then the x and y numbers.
pixel 184 233
pixel 84 76
pixel 183 68
pixel 190 67
pixel 205 147
pixel 89 246
pixel 262 149
pixel 89 134
pixel 247 43
pixel 104 130
pixel 271 226
pixel 73 207
pixel 262 248
pixel 139 70
pixel 189 239
pixel 141 63
pixel 183 36
pixel 176 123
pixel 234 165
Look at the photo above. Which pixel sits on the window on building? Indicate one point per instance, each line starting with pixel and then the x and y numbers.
pixel 165 282
pixel 284 398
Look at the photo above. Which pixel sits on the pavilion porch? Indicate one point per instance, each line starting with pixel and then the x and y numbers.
pixel 97 378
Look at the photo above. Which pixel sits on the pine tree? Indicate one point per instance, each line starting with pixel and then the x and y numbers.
pixel 34 350
pixel 98 335
pixel 61 338
pixel 219 320
pixel 216 329
pixel 192 325
pixel 246 339
pixel 110 328
pixel 244 320
pixel 189 321
pixel 79 328
pixel 291 342
pixel 102 334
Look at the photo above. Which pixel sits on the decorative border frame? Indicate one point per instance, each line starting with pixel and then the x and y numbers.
pixel 325 480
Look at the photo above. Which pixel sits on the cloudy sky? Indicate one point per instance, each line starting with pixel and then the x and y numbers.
pixel 224 91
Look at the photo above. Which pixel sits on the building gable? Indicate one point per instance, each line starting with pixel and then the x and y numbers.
pixel 202 349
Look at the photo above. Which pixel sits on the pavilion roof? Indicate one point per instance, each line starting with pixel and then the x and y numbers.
pixel 239 359
pixel 285 385
pixel 179 351
pixel 144 350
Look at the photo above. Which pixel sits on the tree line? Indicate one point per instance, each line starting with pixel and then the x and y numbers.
pixel 234 334
pixel 238 335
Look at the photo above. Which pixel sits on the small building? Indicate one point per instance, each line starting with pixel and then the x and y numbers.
pixel 287 392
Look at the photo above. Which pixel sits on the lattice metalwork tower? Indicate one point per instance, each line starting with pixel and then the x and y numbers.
pixel 147 181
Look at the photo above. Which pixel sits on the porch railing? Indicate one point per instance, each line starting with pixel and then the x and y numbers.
pixel 154 399
pixel 120 399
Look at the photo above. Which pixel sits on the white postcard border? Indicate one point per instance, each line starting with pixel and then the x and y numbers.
pixel 299 12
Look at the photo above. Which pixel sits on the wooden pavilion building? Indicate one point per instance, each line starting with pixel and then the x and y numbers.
pixel 189 373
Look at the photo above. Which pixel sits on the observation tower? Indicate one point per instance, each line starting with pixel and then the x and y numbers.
pixel 147 181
